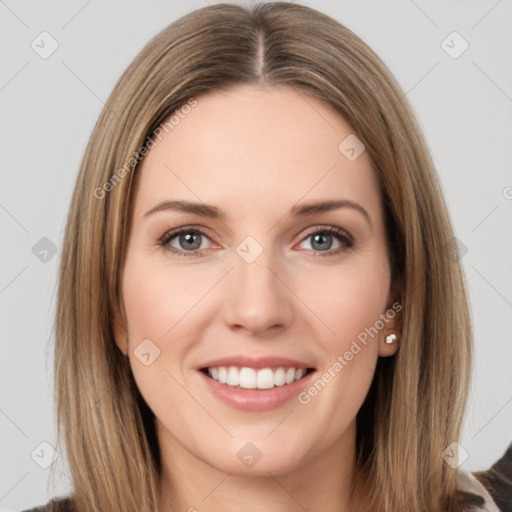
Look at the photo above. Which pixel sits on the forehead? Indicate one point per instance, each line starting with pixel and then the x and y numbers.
pixel 257 148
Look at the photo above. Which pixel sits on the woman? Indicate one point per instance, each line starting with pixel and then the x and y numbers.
pixel 261 370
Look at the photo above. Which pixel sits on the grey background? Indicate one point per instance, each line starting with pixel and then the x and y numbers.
pixel 48 109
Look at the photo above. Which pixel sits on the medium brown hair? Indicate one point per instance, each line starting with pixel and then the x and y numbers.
pixel 415 406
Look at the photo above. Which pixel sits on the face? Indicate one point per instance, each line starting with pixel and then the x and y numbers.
pixel 260 276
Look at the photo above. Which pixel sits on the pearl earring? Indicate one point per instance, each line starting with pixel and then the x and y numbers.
pixel 390 339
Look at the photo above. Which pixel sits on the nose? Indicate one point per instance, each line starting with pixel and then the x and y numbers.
pixel 258 297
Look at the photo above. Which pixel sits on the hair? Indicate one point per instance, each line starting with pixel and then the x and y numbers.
pixel 416 403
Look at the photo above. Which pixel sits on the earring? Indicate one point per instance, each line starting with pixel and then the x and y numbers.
pixel 390 339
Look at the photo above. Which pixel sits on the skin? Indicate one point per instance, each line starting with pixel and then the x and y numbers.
pixel 255 153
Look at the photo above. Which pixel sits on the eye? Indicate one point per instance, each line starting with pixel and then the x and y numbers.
pixel 189 241
pixel 322 240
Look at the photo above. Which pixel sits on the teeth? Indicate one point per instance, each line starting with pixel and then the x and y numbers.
pixel 250 378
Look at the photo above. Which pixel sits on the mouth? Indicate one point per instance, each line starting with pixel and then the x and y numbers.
pixel 256 378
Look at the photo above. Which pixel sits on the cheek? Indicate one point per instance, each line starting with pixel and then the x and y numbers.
pixel 157 303
pixel 348 299
pixel 157 298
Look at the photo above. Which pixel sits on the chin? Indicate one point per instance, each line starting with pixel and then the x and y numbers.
pixel 258 457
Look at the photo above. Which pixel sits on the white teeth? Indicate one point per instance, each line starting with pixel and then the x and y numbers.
pixel 265 379
pixel 250 378
pixel 233 378
pixel 279 377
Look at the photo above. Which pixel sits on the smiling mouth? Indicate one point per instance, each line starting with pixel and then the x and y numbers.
pixel 256 378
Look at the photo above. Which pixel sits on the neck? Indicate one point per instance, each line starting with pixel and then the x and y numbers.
pixel 321 481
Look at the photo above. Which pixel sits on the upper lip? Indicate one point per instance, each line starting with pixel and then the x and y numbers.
pixel 255 362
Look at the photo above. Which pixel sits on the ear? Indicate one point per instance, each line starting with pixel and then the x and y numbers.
pixel 119 329
pixel 392 319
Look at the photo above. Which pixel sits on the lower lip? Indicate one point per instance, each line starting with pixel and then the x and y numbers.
pixel 256 399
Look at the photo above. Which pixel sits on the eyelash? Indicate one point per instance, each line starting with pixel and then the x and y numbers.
pixel 343 237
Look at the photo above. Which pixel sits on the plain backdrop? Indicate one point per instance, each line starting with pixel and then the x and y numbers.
pixel 463 100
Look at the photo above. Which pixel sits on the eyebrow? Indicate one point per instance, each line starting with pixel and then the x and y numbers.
pixel 303 210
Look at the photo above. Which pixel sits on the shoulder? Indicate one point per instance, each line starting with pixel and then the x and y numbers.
pixel 469 483
pixel 55 505
pixel 498 481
